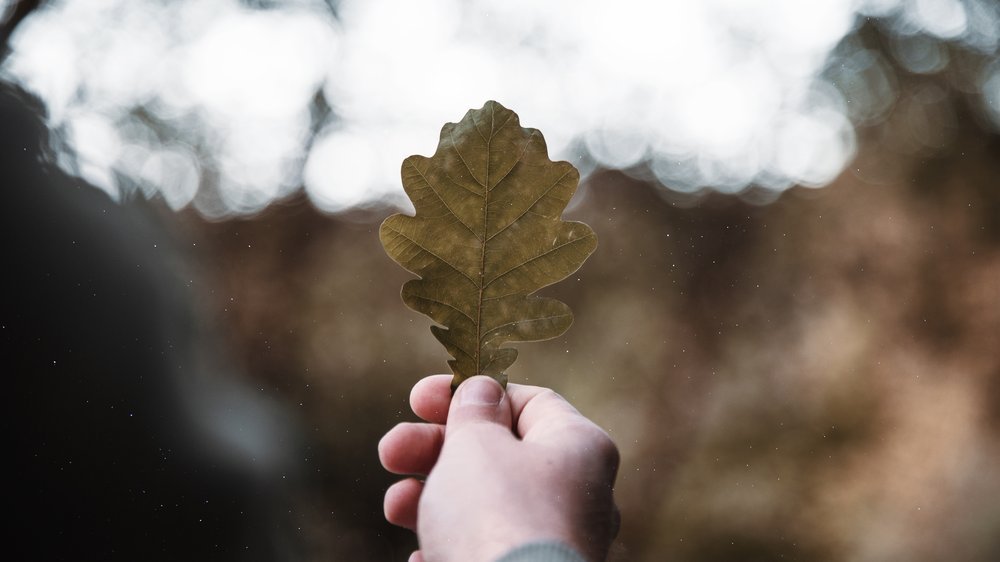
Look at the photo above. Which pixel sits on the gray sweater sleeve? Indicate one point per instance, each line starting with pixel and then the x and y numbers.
pixel 542 551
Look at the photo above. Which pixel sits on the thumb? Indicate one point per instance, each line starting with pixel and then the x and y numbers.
pixel 479 399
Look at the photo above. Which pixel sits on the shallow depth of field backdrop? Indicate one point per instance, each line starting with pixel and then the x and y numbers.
pixel 791 325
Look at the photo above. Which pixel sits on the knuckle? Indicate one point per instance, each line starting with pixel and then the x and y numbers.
pixel 594 443
pixel 600 445
pixel 607 449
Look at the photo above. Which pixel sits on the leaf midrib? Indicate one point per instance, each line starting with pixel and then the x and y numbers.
pixel 486 237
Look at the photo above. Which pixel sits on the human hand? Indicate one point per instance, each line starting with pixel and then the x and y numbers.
pixel 489 489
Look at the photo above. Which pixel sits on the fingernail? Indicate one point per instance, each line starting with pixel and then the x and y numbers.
pixel 479 391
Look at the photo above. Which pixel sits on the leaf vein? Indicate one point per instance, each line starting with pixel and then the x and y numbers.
pixel 495 131
pixel 454 147
pixel 441 198
pixel 526 321
pixel 442 303
pixel 439 258
pixel 534 258
pixel 517 160
pixel 529 207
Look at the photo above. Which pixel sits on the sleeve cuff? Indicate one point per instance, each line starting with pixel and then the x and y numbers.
pixel 542 551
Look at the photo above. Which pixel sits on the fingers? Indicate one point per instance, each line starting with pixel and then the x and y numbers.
pixel 416 557
pixel 538 413
pixel 479 400
pixel 543 416
pixel 411 448
pixel 431 397
pixel 401 501
pixel 535 406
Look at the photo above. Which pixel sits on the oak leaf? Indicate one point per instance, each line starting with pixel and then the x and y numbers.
pixel 486 234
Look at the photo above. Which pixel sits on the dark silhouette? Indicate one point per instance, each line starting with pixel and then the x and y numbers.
pixel 105 449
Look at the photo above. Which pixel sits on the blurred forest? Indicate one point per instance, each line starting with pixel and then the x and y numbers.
pixel 815 377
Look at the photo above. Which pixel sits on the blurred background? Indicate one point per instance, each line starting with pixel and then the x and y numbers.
pixel 790 326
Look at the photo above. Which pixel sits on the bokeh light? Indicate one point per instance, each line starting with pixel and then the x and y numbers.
pixel 246 106
pixel 791 371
